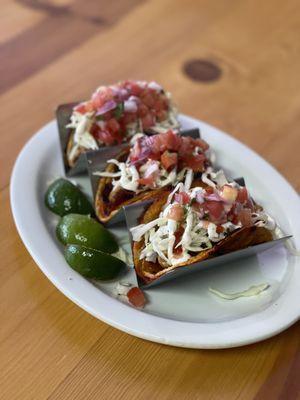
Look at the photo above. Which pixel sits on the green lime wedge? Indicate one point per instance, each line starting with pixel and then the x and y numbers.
pixel 84 230
pixel 62 197
pixel 93 263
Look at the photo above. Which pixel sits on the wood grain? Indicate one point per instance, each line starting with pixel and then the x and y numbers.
pixel 63 28
pixel 54 51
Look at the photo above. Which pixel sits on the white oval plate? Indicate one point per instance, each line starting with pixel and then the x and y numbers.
pixel 183 312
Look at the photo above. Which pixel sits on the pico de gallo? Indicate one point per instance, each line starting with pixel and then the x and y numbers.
pixel 159 161
pixel 194 219
pixel 117 112
pixel 132 294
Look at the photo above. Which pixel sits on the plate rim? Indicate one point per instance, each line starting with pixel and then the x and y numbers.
pixel 138 323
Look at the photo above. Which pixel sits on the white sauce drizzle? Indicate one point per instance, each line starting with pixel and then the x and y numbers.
pixel 254 290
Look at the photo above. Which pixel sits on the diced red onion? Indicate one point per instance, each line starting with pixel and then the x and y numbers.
pixel 153 167
pixel 214 197
pixel 134 98
pixel 108 106
pixel 123 93
pixel 130 106
pixel 154 86
pixel 199 197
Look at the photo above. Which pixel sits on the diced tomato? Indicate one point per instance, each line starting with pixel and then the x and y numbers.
pixel 182 198
pixel 80 108
pixel 148 99
pixel 168 159
pixel 232 214
pixel 195 162
pixel 235 220
pixel 97 100
pixel 113 125
pixel 244 217
pixel 95 130
pixel 186 146
pixel 136 297
pixel 169 148
pixel 171 140
pixel 219 229
pixel 177 251
pixel 135 89
pixel 158 105
pixel 242 196
pixel 202 144
pixel 142 110
pixel 100 97
pixel 176 213
pixel 147 121
pixel 209 190
pixel 149 181
pixel 128 118
pixel 161 115
pixel 152 107
pixel 119 136
pixel 156 144
pixel 89 106
pixel 215 209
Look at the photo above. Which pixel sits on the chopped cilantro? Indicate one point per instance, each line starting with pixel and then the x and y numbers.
pixel 118 111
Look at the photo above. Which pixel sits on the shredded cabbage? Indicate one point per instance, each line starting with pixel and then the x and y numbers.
pixel 138 231
pixel 82 124
pixel 198 233
pixel 129 176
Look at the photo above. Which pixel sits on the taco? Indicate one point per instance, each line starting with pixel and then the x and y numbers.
pixel 115 113
pixel 183 227
pixel 151 166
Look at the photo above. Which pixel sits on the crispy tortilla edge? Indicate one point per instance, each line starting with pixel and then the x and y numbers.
pixel 238 240
pixel 100 206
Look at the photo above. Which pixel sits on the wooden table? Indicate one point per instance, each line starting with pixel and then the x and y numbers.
pixel 234 64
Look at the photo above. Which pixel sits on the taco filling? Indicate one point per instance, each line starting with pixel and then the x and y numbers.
pixel 186 226
pixel 153 164
pixel 117 112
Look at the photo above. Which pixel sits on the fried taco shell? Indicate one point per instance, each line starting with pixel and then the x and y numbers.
pixel 108 201
pixel 237 240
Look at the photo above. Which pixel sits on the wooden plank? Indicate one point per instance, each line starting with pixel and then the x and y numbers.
pixel 44 348
pixel 65 28
pixel 16 19
pixel 234 103
pixel 121 366
pixel 35 319
pixel 282 381
pixel 11 247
